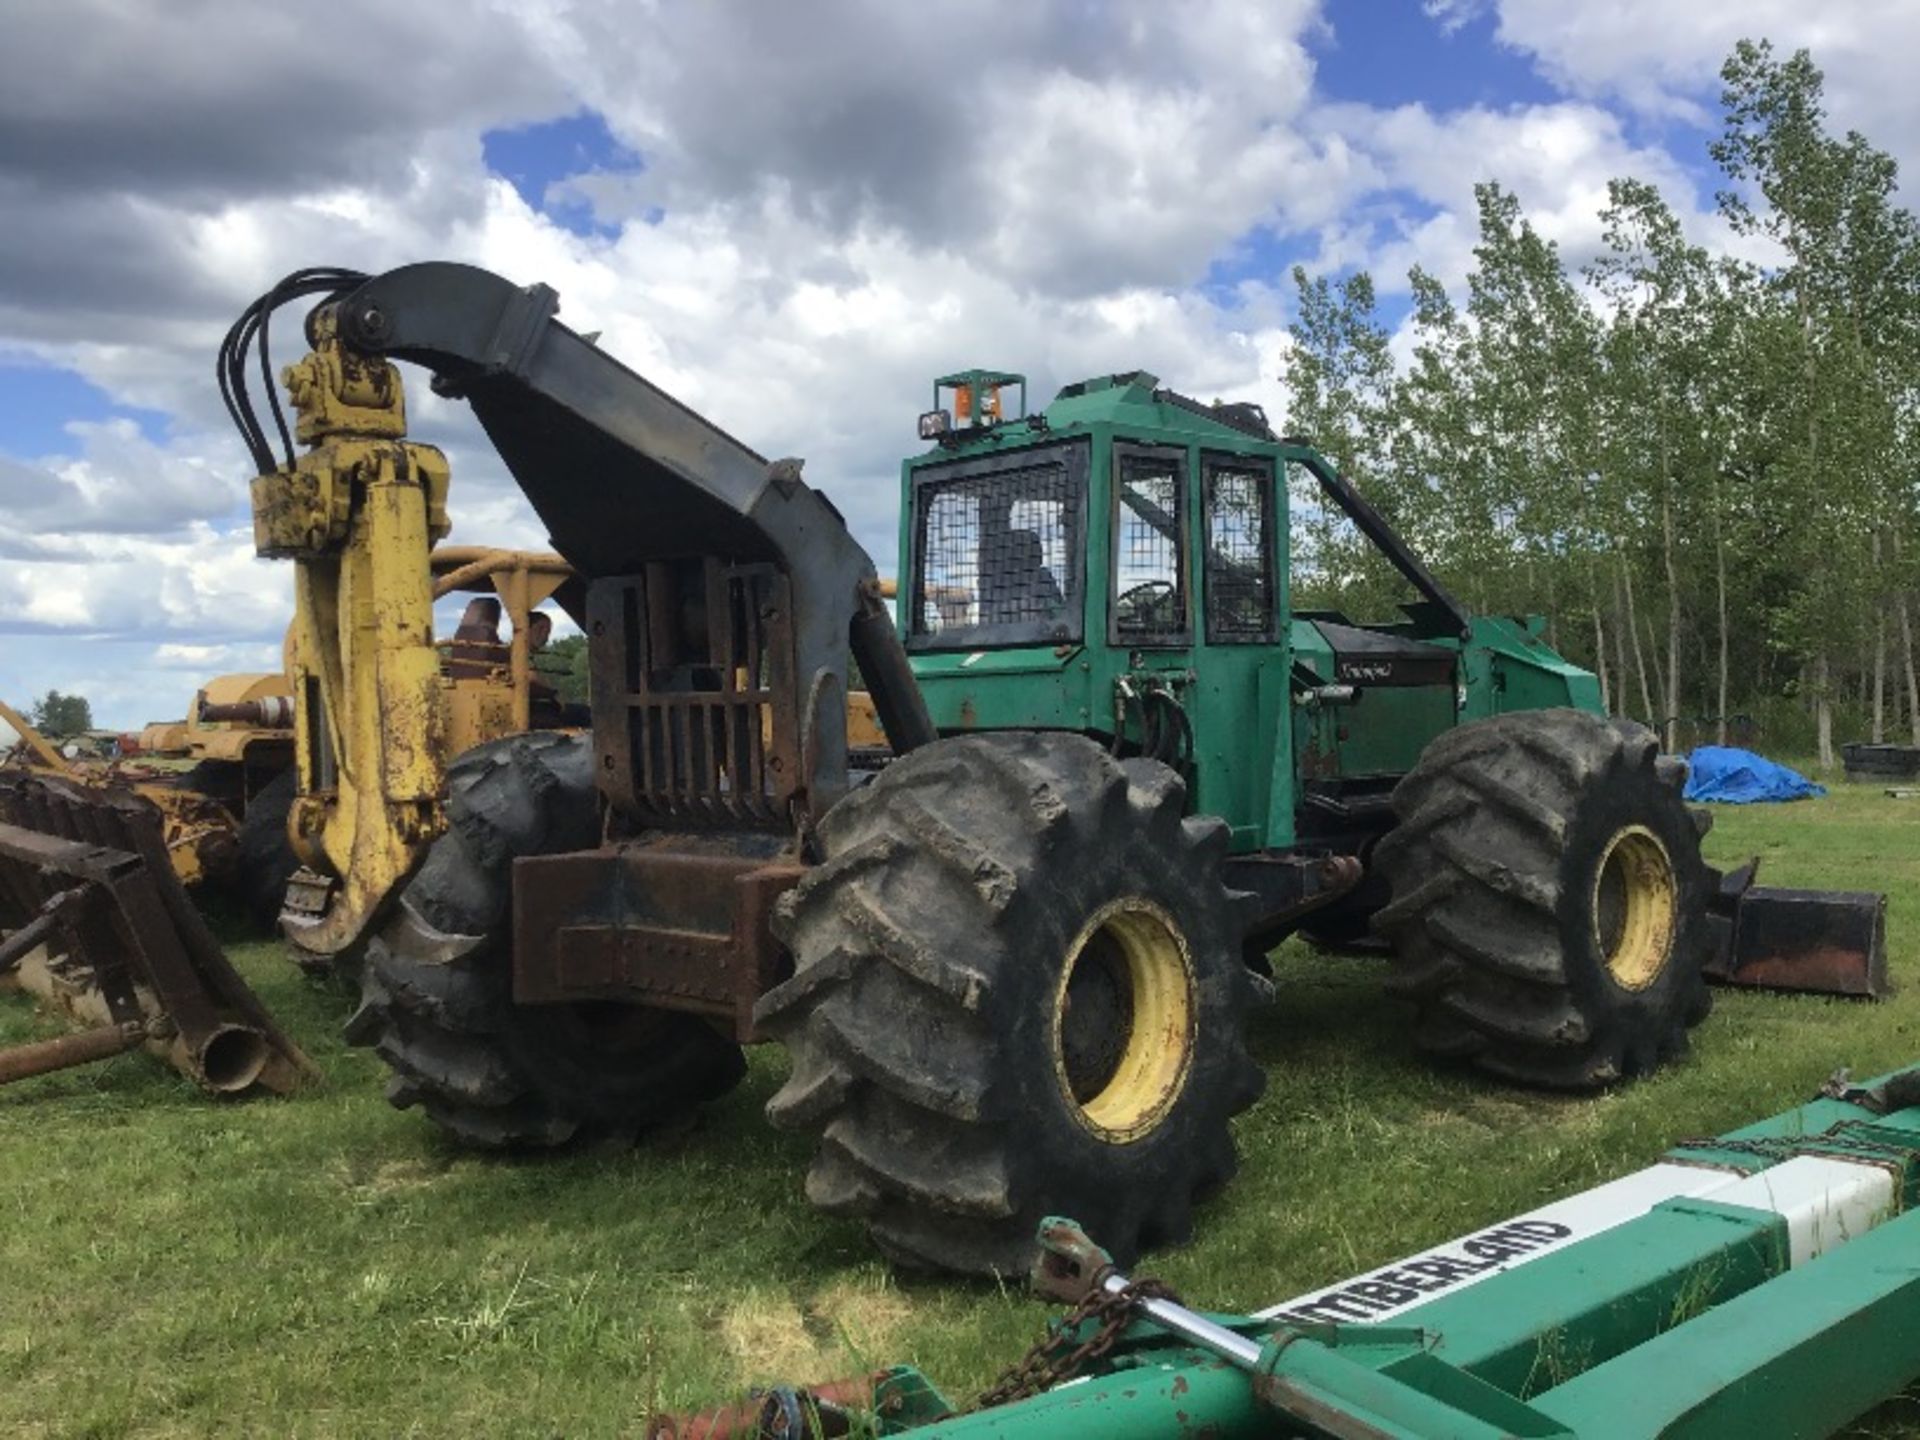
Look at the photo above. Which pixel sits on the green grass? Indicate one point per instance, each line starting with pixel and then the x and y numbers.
pixel 325 1266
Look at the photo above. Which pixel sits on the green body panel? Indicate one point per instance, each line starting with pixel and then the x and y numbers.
pixel 1264 714
pixel 1022 689
pixel 1202 1396
pixel 1571 1310
pixel 1507 667
pixel 1379 733
pixel 1683 1322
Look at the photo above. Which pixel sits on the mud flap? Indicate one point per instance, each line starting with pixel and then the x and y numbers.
pixel 95 920
pixel 1825 942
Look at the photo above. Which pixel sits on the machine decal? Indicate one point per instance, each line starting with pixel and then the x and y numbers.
pixel 1824 1199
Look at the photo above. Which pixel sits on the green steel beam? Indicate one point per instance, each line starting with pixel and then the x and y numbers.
pixel 1802 1355
pixel 1198 1394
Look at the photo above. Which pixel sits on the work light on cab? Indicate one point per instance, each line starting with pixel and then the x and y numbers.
pixel 976 404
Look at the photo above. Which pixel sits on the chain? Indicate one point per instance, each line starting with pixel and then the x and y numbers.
pixel 1055 1357
pixel 1786 1147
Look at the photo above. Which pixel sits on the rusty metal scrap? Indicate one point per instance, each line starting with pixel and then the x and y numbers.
pixel 95 920
pixel 825 1410
pixel 1827 942
pixel 43 1057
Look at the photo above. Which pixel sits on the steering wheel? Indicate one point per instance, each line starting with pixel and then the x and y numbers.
pixel 1135 606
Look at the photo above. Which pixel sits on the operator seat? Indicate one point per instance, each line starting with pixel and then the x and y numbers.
pixel 476 651
pixel 1021 587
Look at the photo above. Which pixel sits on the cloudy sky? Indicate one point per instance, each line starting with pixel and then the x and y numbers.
pixel 791 216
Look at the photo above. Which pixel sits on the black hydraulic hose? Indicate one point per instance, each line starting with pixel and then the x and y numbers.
pixel 1170 733
pixel 230 368
pixel 1183 746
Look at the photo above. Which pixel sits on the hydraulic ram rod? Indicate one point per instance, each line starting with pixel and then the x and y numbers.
pixel 1192 1326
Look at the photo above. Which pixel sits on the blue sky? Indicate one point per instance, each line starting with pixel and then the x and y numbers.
pixel 538 159
pixel 790 217
pixel 39 402
pixel 1398 54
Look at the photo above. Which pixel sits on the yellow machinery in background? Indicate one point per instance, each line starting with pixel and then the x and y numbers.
pixel 199 833
pixel 493 687
pixel 32 748
pixel 235 749
pixel 243 720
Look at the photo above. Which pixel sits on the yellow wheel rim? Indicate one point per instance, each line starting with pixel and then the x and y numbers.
pixel 1634 907
pixel 1123 1020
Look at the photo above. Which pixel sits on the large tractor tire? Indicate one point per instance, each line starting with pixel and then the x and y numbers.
pixel 1549 912
pixel 1018 992
pixel 436 986
pixel 267 860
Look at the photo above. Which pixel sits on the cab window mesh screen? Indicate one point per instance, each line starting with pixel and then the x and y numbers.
pixel 1148 595
pixel 1239 554
pixel 996 550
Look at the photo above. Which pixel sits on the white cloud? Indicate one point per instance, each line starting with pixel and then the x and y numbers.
pixel 211 659
pixel 1050 148
pixel 119 483
pixel 1664 59
pixel 200 585
pixel 1453 15
pixel 1556 158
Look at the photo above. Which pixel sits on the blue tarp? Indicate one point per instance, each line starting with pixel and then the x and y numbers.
pixel 1730 776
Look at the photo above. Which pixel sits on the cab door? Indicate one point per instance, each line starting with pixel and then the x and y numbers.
pixel 1241 653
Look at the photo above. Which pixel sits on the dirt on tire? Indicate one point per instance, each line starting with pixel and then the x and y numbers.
pixel 1499 903
pixel 436 986
pixel 933 953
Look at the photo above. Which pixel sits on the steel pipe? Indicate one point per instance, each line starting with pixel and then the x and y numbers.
pixel 43 1057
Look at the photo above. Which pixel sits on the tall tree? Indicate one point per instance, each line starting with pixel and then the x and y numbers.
pixel 1532 379
pixel 1700 468
pixel 59 716
pixel 1667 311
pixel 1827 204
pixel 1338 378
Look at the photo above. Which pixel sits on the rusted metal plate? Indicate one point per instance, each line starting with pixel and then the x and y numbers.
pixel 679 923
pixel 1827 942
pixel 1833 942
pixel 694 695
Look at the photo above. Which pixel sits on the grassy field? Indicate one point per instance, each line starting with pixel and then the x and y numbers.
pixel 325 1266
